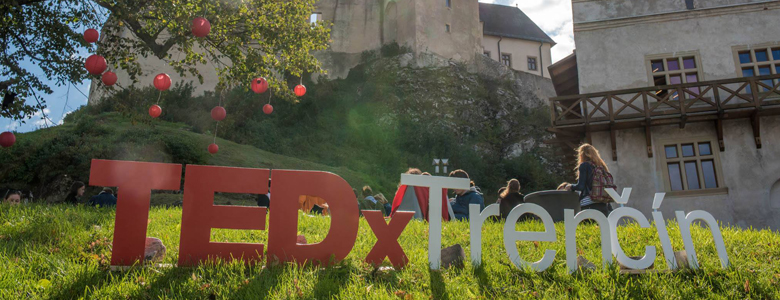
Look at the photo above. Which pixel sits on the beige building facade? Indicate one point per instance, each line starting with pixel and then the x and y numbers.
pixel 511 38
pixel 668 93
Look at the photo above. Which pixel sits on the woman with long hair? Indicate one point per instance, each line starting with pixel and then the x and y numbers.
pixel 509 197
pixel 588 159
pixel 76 191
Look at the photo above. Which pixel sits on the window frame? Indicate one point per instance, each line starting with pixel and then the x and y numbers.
pixel 536 63
pixel 486 53
pixel 448 3
pixel 680 56
pixel 663 169
pixel 501 59
pixel 447 28
pixel 772 62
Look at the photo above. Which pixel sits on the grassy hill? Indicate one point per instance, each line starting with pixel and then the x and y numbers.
pixel 47 160
pixel 61 252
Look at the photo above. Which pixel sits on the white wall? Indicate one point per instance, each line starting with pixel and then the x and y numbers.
pixel 612 57
pixel 520 51
pixel 748 173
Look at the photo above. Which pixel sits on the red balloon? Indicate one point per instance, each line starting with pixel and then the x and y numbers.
pixel 218 113
pixel 259 85
pixel 95 64
pixel 300 90
pixel 213 148
pixel 268 109
pixel 162 81
pixel 200 27
pixel 108 78
pixel 155 111
pixel 91 35
pixel 7 139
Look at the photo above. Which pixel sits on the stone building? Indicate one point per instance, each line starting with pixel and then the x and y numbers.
pixel 510 37
pixel 681 97
pixel 434 30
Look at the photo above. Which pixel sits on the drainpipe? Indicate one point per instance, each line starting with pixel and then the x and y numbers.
pixel 541 59
pixel 499 49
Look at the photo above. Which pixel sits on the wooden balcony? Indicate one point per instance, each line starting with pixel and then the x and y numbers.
pixel 577 116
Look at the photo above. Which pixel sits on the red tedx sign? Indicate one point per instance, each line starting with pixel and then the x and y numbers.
pixel 136 180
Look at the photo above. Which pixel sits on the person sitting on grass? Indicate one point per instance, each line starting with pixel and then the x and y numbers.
pixel 105 198
pixel 464 198
pixel 509 197
pixel 13 197
pixel 588 163
pixel 387 207
pixel 369 202
pixel 76 191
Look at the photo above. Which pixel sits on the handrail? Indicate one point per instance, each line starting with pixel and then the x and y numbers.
pixel 713 96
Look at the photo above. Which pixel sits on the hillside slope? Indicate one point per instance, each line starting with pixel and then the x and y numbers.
pixel 385 117
pixel 48 160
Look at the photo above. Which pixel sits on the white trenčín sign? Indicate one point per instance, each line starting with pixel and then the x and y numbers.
pixel 610 246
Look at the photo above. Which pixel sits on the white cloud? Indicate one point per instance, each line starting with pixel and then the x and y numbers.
pixel 41 121
pixel 552 16
pixel 62 119
pixel 12 126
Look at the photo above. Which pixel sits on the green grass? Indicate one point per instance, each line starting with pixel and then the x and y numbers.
pixel 61 252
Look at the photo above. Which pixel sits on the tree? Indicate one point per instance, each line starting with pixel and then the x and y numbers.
pixel 250 38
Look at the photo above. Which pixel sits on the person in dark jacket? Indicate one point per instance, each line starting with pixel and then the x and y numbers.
pixel 509 197
pixel 105 198
pixel 264 200
pixel 588 159
pixel 464 198
pixel 76 191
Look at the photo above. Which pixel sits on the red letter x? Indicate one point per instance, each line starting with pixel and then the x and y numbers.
pixel 387 237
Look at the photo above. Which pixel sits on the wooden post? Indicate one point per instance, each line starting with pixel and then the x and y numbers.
pixel 719 128
pixel 648 140
pixel 754 120
pixel 613 140
pixel 681 101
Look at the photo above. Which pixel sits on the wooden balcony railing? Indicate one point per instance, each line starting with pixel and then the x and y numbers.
pixel 669 104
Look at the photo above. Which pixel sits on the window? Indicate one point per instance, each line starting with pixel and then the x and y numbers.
pixel 506 59
pixel 759 61
pixel 691 167
pixel 532 63
pixel 315 17
pixel 487 53
pixel 689 4
pixel 447 28
pixel 674 70
pixel 448 2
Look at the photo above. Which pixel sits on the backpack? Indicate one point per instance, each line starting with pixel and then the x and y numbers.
pixel 602 180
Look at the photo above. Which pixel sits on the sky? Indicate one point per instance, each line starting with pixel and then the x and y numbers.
pixel 552 16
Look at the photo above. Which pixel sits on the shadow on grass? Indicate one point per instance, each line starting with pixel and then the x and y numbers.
pixel 331 280
pixel 76 287
pixel 482 279
pixel 438 287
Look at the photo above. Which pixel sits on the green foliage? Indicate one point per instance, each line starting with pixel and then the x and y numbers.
pixel 62 252
pixel 247 39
